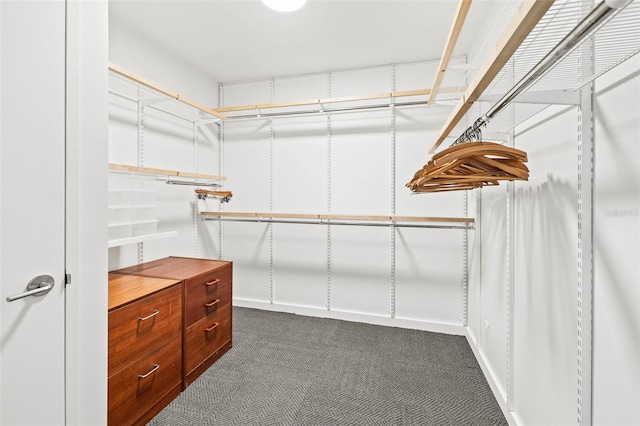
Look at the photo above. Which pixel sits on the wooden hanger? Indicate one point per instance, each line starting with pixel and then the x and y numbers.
pixel 470 165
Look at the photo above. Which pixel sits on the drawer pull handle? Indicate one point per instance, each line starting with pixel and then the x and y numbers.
pixel 213 327
pixel 214 282
pixel 156 312
pixel 153 370
pixel 211 304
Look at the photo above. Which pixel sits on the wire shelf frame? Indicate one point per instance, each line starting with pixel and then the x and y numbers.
pixel 615 42
pixel 550 58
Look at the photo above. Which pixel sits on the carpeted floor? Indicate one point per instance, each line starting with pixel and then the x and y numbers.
pixel 287 369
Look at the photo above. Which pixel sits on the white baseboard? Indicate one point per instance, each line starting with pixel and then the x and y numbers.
pixel 496 388
pixel 436 327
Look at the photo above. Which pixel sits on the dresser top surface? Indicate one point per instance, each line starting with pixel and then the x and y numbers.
pixel 179 268
pixel 124 289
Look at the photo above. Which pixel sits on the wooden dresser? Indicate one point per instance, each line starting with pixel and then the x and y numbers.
pixel 207 294
pixel 145 346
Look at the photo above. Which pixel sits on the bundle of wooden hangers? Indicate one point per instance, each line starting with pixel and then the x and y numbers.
pixel 470 165
pixel 224 196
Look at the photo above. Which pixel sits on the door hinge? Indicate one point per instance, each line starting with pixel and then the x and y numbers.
pixel 67 279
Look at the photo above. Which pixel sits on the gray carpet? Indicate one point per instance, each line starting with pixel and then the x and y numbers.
pixel 288 369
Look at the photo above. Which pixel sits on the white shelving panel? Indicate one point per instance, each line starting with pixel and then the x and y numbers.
pixel 141 238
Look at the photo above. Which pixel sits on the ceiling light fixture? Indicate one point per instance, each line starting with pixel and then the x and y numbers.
pixel 284 5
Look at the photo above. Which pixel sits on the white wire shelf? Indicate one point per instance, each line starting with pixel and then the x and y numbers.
pixel 141 238
pixel 616 41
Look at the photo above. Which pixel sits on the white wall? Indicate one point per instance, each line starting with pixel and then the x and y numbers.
pixel 341 165
pixel 545 281
pixel 134 52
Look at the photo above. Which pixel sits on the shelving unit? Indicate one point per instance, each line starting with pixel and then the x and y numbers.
pixel 180 107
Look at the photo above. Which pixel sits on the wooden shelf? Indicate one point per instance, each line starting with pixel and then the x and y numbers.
pixel 141 239
pixel 163 172
pixel 220 112
pixel 454 33
pixel 131 76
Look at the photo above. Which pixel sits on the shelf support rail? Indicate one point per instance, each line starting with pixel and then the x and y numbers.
pixel 600 15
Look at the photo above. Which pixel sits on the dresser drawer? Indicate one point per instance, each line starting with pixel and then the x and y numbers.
pixel 207 293
pixel 142 326
pixel 206 336
pixel 142 384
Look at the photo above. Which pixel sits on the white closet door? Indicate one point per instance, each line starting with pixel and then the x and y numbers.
pixel 32 211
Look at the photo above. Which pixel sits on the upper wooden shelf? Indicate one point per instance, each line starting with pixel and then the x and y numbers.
pixel 163 172
pixel 323 103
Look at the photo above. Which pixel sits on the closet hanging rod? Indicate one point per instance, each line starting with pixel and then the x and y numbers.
pixel 169 180
pixel 331 222
pixel 341 216
pixel 454 33
pixel 320 102
pixel 121 71
pixel 327 111
pixel 263 217
pixel 601 14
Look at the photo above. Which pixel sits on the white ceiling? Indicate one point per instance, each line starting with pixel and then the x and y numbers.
pixel 232 40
